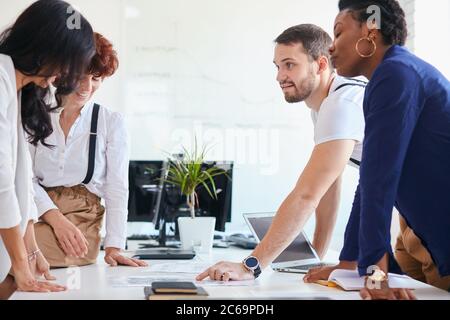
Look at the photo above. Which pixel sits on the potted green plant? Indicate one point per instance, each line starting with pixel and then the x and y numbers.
pixel 187 172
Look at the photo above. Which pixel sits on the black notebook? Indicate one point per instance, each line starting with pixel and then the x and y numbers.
pixel 174 287
pixel 174 291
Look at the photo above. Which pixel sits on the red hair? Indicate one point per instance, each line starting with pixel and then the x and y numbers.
pixel 105 62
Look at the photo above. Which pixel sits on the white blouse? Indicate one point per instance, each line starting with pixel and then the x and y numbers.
pixel 67 162
pixel 16 189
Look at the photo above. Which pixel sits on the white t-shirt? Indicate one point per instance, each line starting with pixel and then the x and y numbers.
pixel 341 115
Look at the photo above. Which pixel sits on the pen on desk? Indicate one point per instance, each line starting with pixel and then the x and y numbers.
pixel 322 282
pixel 326 283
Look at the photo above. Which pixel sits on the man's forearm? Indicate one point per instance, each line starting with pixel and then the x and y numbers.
pixel 326 164
pixel 289 221
pixel 326 215
pixel 322 236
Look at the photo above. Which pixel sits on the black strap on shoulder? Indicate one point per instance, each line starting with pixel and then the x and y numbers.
pixel 358 163
pixel 350 84
pixel 92 144
pixel 355 83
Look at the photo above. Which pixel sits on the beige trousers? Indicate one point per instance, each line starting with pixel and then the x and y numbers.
pixel 83 209
pixel 415 260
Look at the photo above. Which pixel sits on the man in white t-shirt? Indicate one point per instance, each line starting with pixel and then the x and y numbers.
pixel 305 73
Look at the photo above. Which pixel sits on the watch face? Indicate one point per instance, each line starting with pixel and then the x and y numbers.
pixel 251 262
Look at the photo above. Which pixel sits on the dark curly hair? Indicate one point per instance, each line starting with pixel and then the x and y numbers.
pixel 393 22
pixel 105 62
pixel 40 43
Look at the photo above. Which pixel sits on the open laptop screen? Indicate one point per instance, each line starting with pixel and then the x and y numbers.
pixel 299 249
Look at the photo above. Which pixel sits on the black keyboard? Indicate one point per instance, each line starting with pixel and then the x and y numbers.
pixel 164 254
pixel 140 237
pixel 242 241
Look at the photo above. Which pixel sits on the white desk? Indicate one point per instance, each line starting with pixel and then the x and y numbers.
pixel 94 284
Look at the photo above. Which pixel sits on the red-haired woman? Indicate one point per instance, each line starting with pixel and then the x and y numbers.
pixel 89 162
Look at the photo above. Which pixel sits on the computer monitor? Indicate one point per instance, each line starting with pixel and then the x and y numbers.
pixel 144 188
pixel 173 204
pixel 219 208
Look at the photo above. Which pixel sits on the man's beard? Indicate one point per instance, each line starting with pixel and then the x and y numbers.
pixel 303 92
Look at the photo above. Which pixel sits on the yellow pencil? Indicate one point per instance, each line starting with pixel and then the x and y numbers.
pixel 322 282
pixel 326 283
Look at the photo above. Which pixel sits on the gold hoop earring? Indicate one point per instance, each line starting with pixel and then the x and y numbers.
pixel 369 40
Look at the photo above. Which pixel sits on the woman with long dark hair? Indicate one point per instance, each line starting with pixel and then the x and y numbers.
pixel 406 152
pixel 42 45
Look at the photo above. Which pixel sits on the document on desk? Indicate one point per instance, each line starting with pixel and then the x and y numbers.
pixel 180 267
pixel 350 280
pixel 173 271
pixel 144 281
pixel 211 283
pixel 194 268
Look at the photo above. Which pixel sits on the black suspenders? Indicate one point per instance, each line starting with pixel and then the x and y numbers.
pixel 92 144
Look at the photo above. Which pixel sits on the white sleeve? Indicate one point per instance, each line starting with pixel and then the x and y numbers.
pixel 116 191
pixel 32 203
pixel 41 197
pixel 340 119
pixel 33 209
pixel 9 206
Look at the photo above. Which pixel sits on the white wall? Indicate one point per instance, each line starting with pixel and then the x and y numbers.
pixel 432 33
pixel 205 66
pixel 209 70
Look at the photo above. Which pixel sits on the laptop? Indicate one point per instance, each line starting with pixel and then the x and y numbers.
pixel 298 257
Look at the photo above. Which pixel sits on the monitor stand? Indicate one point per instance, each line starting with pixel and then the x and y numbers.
pixel 163 241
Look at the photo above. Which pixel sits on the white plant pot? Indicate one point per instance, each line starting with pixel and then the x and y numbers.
pixel 197 234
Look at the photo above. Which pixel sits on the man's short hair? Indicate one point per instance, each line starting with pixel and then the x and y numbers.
pixel 314 39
